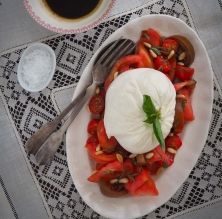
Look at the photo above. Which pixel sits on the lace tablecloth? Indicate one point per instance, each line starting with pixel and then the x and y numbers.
pixel 29 111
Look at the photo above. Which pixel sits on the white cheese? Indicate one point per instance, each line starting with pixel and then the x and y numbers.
pixel 124 116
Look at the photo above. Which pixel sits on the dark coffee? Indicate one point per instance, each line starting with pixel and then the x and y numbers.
pixel 72 9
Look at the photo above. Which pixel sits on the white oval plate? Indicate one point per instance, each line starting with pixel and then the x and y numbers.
pixel 194 135
pixel 47 19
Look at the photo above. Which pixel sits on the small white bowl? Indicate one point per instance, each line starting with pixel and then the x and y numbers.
pixel 36 83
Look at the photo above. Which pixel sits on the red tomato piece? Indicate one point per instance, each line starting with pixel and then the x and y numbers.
pixel 92 139
pixel 104 141
pixel 144 53
pixel 143 184
pixel 97 104
pixel 178 123
pixel 162 64
pixel 100 158
pixel 92 126
pixel 190 85
pixel 170 44
pixel 148 188
pixel 188 109
pixel 105 171
pixel 154 167
pixel 151 36
pixel 184 73
pixel 126 62
pixel 173 141
pixel 160 155
pixel 171 74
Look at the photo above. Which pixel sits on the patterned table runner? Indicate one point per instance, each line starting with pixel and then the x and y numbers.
pixel 30 110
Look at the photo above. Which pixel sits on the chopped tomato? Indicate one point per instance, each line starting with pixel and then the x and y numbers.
pixel 99 158
pixel 170 44
pixel 92 139
pixel 144 53
pixel 171 73
pixel 104 141
pixel 97 104
pixel 142 185
pixel 126 62
pixel 148 188
pixel 106 171
pixel 151 36
pixel 154 167
pixel 173 141
pixel 128 166
pixel 162 64
pixel 178 123
pixel 188 109
pixel 92 126
pixel 190 85
pixel 184 73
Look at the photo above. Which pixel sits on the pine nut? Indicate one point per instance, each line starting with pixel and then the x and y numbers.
pixel 95 171
pixel 123 180
pixel 97 90
pixel 115 75
pixel 152 53
pixel 180 63
pixel 172 52
pixel 119 158
pixel 87 108
pixel 147 45
pixel 149 155
pixel 182 56
pixel 98 152
pixel 159 171
pixel 98 148
pixel 132 155
pixel 171 150
pixel 113 181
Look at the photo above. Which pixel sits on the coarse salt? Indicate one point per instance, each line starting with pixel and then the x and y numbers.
pixel 36 68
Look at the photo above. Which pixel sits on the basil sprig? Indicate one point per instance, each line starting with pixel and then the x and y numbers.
pixel 153 117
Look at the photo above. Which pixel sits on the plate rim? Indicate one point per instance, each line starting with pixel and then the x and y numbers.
pixel 55 29
pixel 211 95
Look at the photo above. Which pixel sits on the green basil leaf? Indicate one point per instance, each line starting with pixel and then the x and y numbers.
pixel 148 106
pixel 158 133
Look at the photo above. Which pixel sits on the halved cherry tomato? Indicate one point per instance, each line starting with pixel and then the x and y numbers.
pixel 104 141
pixel 173 141
pixel 126 62
pixel 170 44
pixel 144 53
pixel 151 36
pixel 143 184
pixel 184 73
pixel 100 158
pixel 188 109
pixel 106 171
pixel 97 104
pixel 162 64
pixel 92 126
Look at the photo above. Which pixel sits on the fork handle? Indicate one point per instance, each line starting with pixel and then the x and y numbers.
pixel 47 129
pixel 47 150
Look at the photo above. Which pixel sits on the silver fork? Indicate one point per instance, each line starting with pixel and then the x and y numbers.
pixel 45 142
